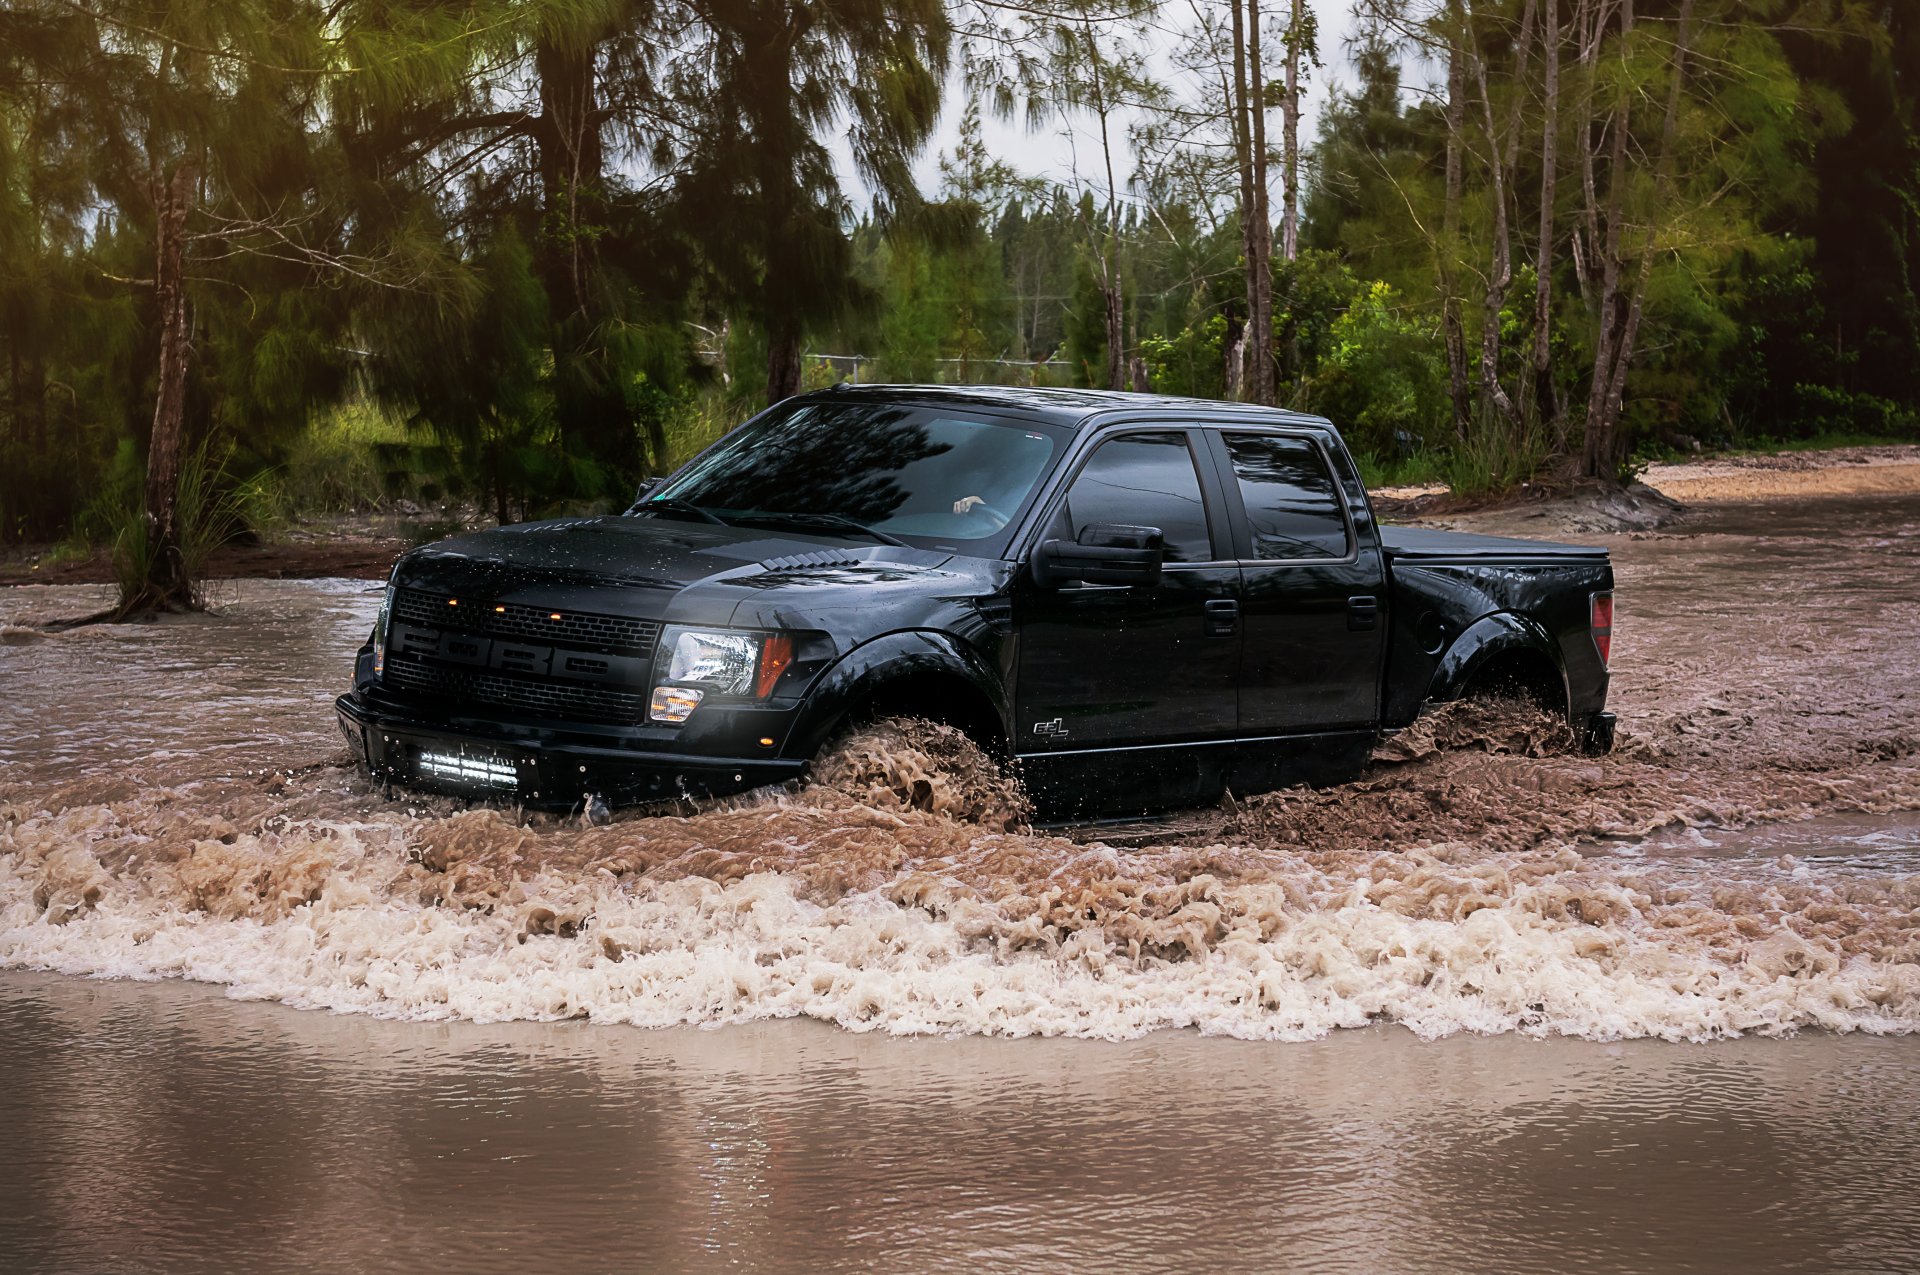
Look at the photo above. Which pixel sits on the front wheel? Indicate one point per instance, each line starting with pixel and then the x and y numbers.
pixel 911 763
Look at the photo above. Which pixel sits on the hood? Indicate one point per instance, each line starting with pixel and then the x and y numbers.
pixel 650 556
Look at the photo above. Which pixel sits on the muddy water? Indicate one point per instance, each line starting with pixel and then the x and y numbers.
pixel 164 1127
pixel 1496 922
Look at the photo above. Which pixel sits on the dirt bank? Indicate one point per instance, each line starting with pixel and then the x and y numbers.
pixel 359 546
pixel 1669 497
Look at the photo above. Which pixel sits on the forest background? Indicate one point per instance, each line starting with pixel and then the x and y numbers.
pixel 266 258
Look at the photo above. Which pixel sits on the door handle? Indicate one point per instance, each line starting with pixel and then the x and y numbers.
pixel 1363 614
pixel 1223 617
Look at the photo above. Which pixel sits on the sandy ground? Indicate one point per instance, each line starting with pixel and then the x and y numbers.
pixel 1843 471
pixel 1670 496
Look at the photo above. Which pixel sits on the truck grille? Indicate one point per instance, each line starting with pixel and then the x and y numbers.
pixel 538 697
pixel 612 633
pixel 477 653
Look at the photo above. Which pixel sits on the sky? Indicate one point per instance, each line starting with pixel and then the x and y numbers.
pixel 1053 151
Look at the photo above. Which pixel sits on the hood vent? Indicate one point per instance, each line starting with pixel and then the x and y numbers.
pixel 819 558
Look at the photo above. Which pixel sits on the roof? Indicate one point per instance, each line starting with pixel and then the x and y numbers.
pixel 1071 408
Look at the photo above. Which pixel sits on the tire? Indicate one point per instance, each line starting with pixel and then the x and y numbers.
pixel 913 764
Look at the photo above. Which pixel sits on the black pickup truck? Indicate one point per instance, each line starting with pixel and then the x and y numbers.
pixel 1137 601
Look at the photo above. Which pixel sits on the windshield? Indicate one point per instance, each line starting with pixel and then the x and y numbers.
pixel 897 470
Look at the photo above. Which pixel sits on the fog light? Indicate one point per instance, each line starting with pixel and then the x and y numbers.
pixel 674 703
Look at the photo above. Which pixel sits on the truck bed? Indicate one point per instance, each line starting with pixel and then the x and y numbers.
pixel 1415 544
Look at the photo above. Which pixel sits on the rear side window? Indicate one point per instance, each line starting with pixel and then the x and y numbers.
pixel 1293 507
pixel 1144 480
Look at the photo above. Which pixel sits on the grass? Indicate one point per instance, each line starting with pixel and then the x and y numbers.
pixel 703 419
pixel 210 509
pixel 337 465
pixel 1421 469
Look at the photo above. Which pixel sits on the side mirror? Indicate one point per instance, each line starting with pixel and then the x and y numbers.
pixel 647 487
pixel 1105 553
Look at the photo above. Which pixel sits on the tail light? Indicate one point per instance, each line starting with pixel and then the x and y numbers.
pixel 1600 622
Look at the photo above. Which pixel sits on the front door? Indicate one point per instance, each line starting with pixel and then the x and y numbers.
pixel 1124 695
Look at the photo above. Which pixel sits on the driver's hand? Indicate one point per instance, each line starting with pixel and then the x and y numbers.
pixel 966 503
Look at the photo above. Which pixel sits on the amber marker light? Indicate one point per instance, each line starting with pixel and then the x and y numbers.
pixel 774 658
pixel 766 741
pixel 554 616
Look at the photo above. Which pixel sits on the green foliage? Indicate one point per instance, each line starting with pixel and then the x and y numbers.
pixel 467 253
pixel 339 463
pixel 1381 376
pixel 1191 362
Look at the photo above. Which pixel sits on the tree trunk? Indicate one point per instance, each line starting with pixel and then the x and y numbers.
pixel 1113 303
pixel 1502 151
pixel 1545 402
pixel 783 364
pixel 1589 25
pixel 1499 276
pixel 168 584
pixel 1237 381
pixel 1599 460
pixel 1290 123
pixel 1233 350
pixel 572 163
pixel 1260 371
pixel 1631 305
pixel 1453 334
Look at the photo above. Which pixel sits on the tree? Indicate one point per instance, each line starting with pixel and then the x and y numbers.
pixel 755 91
pixel 168 108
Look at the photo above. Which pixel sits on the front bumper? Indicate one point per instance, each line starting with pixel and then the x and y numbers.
pixel 544 774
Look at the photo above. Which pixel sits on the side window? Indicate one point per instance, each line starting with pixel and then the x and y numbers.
pixel 1293 506
pixel 1144 480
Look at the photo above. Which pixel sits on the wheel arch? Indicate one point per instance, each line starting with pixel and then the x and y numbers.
pixel 1503 649
pixel 917 673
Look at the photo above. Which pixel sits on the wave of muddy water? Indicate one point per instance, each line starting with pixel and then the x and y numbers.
pixel 176 806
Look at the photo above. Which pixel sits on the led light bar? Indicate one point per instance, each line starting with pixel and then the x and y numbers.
pixel 472 770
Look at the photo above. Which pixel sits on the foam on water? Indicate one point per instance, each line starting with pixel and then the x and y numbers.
pixel 907 921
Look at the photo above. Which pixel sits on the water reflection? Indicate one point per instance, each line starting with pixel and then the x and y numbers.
pixel 349 1143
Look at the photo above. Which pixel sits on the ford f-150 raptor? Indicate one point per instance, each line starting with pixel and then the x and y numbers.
pixel 1137 602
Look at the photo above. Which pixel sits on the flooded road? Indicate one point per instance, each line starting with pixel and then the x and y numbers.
pixel 1479 953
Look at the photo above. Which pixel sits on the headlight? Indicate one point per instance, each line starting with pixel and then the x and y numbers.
pixel 724 661
pixel 380 633
pixel 719 660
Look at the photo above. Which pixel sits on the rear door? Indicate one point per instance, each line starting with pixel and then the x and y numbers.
pixel 1113 681
pixel 1312 587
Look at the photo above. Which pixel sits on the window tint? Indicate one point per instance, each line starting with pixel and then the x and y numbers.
pixel 1292 504
pixel 901 469
pixel 1144 480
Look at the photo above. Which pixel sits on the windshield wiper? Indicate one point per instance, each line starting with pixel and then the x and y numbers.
pixel 838 521
pixel 673 504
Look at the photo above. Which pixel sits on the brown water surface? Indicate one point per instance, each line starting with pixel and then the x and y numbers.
pixel 162 1127
pixel 1468 950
